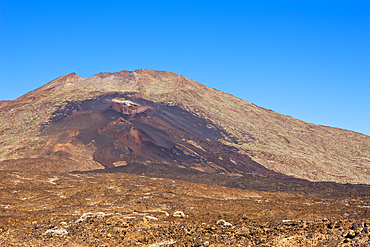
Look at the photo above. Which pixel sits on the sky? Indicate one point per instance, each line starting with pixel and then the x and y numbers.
pixel 306 59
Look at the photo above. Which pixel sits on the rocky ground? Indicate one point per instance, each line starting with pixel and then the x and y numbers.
pixel 93 209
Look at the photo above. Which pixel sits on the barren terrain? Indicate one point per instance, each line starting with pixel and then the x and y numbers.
pixel 103 209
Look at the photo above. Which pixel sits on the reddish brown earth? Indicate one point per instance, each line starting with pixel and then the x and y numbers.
pixel 64 209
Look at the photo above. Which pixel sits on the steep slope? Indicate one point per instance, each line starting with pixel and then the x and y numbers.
pixel 80 119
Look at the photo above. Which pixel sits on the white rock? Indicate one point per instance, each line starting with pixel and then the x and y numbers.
pixel 56 233
pixel 151 217
pixel 223 223
pixel 88 215
pixel 162 243
pixel 179 214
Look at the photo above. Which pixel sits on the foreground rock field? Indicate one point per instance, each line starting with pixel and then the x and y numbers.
pixel 66 209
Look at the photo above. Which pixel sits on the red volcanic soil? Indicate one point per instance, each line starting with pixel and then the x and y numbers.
pixel 150 132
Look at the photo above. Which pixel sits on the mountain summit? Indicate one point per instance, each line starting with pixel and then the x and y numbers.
pixel 151 117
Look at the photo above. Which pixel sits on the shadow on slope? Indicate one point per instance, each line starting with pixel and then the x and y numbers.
pixel 249 182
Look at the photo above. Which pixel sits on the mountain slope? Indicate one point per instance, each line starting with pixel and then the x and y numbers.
pixel 112 119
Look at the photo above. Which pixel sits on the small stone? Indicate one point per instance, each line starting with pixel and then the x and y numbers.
pixel 223 223
pixel 89 215
pixel 350 234
pixel 179 214
pixel 163 243
pixel 56 233
pixel 151 218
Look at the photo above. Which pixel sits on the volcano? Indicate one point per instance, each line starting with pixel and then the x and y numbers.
pixel 156 118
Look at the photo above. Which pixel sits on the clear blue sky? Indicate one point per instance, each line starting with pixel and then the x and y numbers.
pixel 306 59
